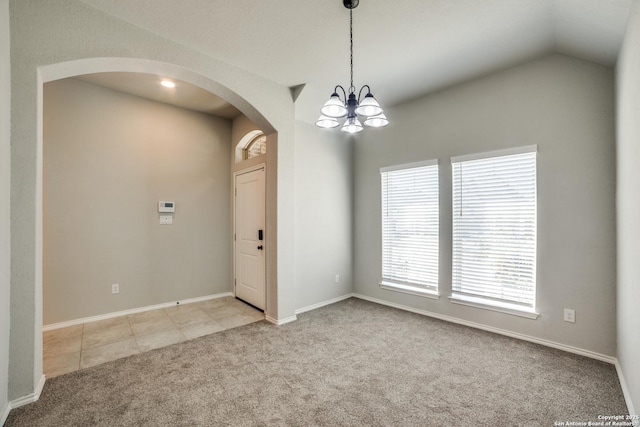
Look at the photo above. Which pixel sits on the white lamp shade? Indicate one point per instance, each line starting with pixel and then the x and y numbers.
pixel 352 125
pixel 376 121
pixel 369 107
pixel 334 107
pixel 327 122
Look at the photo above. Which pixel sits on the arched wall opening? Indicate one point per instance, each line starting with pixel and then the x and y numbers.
pixel 59 40
pixel 50 73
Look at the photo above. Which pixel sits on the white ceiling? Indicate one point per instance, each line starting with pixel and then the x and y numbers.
pixel 402 49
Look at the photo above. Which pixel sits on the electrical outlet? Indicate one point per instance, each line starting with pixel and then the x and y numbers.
pixel 569 315
pixel 166 219
pixel 337 278
pixel 115 288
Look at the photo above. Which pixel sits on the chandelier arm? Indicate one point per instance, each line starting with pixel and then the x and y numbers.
pixel 361 89
pixel 344 93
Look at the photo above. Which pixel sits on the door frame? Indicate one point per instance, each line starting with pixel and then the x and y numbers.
pixel 233 229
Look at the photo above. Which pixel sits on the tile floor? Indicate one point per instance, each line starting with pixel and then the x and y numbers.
pixel 81 346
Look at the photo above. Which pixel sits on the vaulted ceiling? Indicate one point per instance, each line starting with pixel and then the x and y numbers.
pixel 402 49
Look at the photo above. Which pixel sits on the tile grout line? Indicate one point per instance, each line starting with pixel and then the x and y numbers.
pixel 174 324
pixel 135 339
pixel 214 320
pixel 81 348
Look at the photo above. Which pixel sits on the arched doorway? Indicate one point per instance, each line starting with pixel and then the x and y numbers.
pixel 100 65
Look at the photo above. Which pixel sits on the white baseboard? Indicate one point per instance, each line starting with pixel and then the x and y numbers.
pixel 281 322
pixel 547 343
pixel 305 309
pixel 625 393
pixel 5 413
pixel 25 400
pixel 322 304
pixel 132 311
pixel 40 386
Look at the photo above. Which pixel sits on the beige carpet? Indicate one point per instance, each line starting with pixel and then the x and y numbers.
pixel 352 363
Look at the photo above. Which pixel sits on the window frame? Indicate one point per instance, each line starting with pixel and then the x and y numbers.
pixel 486 302
pixel 423 290
pixel 252 141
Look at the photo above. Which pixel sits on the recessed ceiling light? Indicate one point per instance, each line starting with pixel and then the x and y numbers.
pixel 167 83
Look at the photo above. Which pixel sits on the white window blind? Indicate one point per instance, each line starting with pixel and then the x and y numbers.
pixel 494 228
pixel 410 226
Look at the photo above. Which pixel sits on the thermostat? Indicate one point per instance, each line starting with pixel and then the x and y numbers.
pixel 166 207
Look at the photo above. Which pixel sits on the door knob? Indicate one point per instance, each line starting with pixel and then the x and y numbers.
pixel 260 247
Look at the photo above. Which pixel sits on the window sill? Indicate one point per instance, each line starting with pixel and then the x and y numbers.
pixel 411 290
pixel 494 306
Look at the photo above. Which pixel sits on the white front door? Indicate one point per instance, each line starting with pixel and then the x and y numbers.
pixel 250 237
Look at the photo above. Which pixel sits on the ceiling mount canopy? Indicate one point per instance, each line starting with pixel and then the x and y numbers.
pixel 350 4
pixel 349 105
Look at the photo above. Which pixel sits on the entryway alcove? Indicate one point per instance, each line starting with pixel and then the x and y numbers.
pixel 104 66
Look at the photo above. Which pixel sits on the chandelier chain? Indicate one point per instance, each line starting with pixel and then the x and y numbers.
pixel 352 88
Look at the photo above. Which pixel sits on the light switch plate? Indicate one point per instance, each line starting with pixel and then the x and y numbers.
pixel 166 219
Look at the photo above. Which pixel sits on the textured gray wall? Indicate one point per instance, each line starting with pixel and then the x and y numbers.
pixel 58 38
pixel 323 214
pixel 566 107
pixel 5 180
pixel 628 207
pixel 108 159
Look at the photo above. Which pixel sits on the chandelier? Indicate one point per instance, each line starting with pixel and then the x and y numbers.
pixel 348 105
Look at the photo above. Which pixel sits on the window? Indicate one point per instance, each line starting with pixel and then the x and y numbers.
pixel 410 228
pixel 256 147
pixel 494 230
